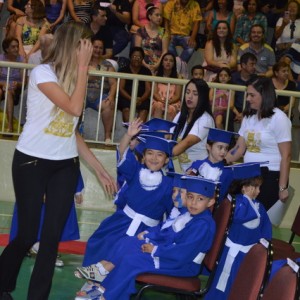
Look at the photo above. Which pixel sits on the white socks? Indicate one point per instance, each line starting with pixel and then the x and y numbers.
pixel 101 269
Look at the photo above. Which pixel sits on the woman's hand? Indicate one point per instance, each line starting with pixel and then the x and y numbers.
pixel 284 195
pixel 107 182
pixel 84 53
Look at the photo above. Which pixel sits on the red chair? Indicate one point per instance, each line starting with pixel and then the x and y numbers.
pixel 283 286
pixel 283 249
pixel 192 286
pixel 253 273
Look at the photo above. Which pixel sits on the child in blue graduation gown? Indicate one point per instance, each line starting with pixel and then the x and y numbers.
pixel 250 224
pixel 212 168
pixel 177 249
pixel 147 197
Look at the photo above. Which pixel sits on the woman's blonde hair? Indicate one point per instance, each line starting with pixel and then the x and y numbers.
pixel 62 54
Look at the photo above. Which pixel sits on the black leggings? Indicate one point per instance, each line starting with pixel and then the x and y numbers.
pixel 32 179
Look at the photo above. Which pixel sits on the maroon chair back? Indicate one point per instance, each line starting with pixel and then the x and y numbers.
pixel 251 275
pixel 283 286
pixel 222 216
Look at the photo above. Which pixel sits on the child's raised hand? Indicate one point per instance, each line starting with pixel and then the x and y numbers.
pixel 134 127
pixel 140 236
pixel 147 248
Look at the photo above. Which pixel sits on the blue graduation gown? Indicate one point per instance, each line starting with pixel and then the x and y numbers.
pixel 246 230
pixel 175 254
pixel 144 195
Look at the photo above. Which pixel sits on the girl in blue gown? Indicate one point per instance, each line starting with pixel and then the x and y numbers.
pixel 250 224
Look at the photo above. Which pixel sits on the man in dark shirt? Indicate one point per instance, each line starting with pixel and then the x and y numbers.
pixel 101 30
pixel 118 18
pixel 144 87
pixel 248 63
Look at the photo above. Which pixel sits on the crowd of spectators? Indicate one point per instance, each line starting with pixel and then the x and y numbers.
pixel 232 30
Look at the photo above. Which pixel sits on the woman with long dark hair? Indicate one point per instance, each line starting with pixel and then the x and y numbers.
pixel 220 51
pixel 163 92
pixel 193 120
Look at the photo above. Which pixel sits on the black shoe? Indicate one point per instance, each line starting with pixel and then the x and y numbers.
pixel 6 296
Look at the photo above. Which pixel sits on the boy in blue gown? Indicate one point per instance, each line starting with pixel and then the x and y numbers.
pixel 177 249
pixel 212 168
pixel 147 197
pixel 250 224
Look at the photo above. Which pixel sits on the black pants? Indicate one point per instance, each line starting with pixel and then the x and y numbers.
pixel 269 190
pixel 33 178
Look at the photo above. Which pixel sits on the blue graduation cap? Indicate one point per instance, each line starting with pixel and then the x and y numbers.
pixel 178 179
pixel 158 143
pixel 246 170
pixel 204 187
pixel 157 124
pixel 162 134
pixel 219 135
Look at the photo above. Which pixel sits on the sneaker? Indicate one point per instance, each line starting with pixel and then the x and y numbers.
pixel 93 294
pixel 59 263
pixel 91 272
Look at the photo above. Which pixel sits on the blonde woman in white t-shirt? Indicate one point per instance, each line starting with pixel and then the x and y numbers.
pixel 46 158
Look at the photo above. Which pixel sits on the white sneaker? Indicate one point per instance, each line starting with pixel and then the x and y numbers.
pixel 94 293
pixel 91 273
pixel 59 263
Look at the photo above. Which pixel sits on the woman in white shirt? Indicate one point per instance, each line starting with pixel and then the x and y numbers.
pixel 46 159
pixel 193 120
pixel 265 135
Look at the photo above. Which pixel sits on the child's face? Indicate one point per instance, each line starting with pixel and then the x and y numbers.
pixel 155 159
pixel 197 203
pixel 224 77
pixel 198 74
pixel 251 191
pixel 179 197
pixel 217 151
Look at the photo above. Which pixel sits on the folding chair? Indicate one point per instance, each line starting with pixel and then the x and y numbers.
pixel 284 285
pixel 191 286
pixel 283 249
pixel 253 273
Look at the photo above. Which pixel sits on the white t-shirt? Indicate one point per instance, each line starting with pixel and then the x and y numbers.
pixel 286 33
pixel 49 132
pixel 262 138
pixel 197 151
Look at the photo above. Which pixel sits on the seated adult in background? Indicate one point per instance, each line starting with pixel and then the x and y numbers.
pixel 140 14
pixel 170 93
pixel 55 12
pixel 281 81
pixel 219 52
pixel 182 19
pixel 251 16
pixel 80 10
pixel 152 38
pixel 30 27
pixel 247 71
pixel 118 18
pixel 37 57
pixel 101 30
pixel 265 135
pixel 94 88
pixel 292 58
pixel 16 9
pixel 287 29
pixel 144 87
pixel 263 52
pixel 222 11
pixel 10 47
